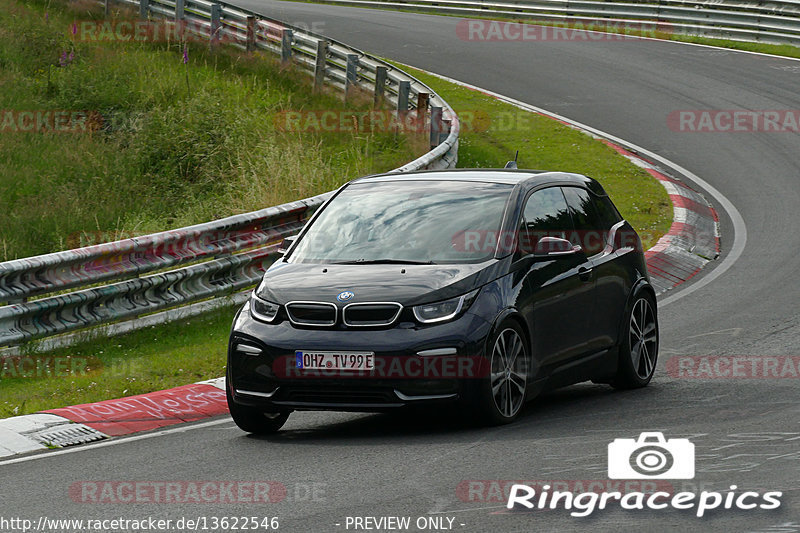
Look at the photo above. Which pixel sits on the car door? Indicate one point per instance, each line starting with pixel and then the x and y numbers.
pixel 557 293
pixel 593 217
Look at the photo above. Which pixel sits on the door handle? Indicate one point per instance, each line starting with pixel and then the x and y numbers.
pixel 585 273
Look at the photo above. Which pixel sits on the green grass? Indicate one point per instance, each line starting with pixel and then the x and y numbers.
pixel 150 359
pixel 174 144
pixel 492 131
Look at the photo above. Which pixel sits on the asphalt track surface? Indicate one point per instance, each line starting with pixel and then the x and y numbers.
pixel 746 431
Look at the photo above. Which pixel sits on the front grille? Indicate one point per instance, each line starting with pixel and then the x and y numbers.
pixel 312 313
pixel 371 314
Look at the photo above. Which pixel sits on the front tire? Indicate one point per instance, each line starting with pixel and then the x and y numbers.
pixel 502 393
pixel 638 350
pixel 254 420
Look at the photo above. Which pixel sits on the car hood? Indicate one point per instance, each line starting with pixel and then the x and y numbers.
pixel 406 284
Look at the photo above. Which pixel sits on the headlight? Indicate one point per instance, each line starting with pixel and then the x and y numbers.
pixel 262 309
pixel 444 310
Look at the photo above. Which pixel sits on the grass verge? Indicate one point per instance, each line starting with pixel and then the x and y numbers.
pixel 172 140
pixel 150 359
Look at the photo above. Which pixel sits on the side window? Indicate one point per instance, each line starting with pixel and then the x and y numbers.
pixel 590 230
pixel 546 214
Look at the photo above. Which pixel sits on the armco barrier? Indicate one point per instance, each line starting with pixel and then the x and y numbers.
pixel 769 21
pixel 76 289
pixel 123 262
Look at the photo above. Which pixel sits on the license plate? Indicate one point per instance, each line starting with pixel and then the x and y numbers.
pixel 335 360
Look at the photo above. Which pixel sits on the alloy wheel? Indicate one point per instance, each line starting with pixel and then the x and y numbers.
pixel 643 338
pixel 508 376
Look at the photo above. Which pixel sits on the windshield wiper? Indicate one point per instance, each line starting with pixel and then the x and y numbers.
pixel 383 262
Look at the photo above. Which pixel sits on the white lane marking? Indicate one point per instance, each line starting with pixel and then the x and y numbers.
pixel 739 226
pixel 115 441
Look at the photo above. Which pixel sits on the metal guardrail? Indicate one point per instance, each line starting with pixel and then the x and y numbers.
pixel 214 259
pixel 768 21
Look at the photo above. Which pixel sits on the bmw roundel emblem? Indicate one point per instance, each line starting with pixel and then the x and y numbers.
pixel 344 296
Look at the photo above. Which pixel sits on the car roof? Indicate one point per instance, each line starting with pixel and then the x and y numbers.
pixel 529 178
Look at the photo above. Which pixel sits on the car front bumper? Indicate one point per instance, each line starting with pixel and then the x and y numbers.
pixel 413 364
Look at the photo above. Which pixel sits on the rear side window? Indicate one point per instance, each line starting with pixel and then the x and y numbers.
pixel 590 227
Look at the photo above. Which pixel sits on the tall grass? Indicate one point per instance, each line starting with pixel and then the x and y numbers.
pixel 175 143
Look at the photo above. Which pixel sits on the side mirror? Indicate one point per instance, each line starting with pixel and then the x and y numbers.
pixel 555 247
pixel 286 244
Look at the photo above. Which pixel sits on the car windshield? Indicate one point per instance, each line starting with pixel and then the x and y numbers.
pixel 407 222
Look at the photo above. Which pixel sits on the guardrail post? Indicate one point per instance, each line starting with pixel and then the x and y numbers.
pixel 402 98
pixel 380 84
pixel 251 33
pixel 286 45
pixel 436 125
pixel 144 8
pixel 319 64
pixel 180 12
pixel 422 110
pixel 216 23
pixel 350 73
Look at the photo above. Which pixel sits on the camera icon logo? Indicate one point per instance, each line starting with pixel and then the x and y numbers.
pixel 651 457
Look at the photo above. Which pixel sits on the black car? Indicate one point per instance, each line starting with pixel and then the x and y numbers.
pixel 478 286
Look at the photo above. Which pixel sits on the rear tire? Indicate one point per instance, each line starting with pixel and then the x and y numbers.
pixel 638 350
pixel 253 419
pixel 501 395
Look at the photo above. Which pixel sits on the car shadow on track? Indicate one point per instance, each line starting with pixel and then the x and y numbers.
pixel 585 404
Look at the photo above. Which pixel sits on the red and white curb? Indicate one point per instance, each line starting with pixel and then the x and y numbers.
pixel 78 424
pixel 691 242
